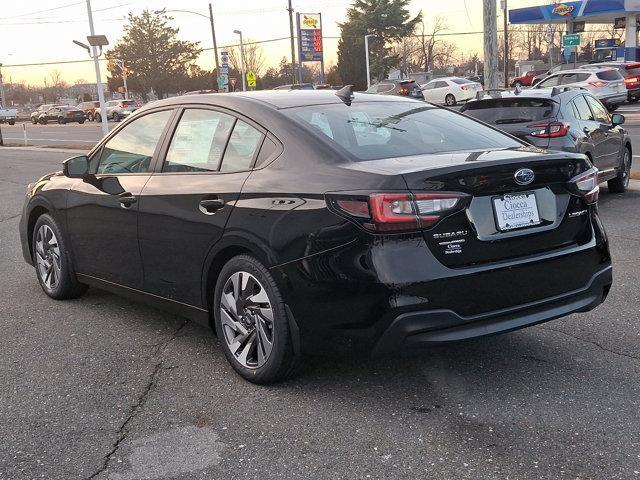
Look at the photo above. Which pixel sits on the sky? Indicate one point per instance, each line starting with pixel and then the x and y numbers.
pixel 37 31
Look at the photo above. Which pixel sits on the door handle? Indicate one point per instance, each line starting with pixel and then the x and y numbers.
pixel 126 199
pixel 210 206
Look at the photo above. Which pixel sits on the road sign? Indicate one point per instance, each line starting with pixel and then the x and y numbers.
pixel 572 40
pixel 232 81
pixel 223 74
pixel 251 79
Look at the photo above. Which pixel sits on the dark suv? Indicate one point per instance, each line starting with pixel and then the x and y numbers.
pixel 562 118
pixel 406 88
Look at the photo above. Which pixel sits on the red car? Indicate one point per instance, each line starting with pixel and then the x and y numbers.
pixel 526 80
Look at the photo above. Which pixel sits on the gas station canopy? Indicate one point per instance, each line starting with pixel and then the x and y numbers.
pixel 589 11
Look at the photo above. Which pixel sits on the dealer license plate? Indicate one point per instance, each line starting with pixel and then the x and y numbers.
pixel 516 210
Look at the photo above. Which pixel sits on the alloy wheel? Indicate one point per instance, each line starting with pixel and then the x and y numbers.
pixel 246 317
pixel 48 259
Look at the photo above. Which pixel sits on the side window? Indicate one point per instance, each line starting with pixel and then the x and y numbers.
pixel 584 113
pixel 441 85
pixel 242 148
pixel 198 142
pixel 131 149
pixel 385 87
pixel 599 112
pixel 583 77
pixel 430 86
pixel 549 82
pixel 568 78
pixel 268 149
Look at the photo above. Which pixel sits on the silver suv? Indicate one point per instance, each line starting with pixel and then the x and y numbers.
pixel 117 110
pixel 606 84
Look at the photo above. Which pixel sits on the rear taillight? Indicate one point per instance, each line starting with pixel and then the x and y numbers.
pixel 587 185
pixel 549 130
pixel 631 80
pixel 399 212
pixel 464 87
pixel 599 84
pixel 403 91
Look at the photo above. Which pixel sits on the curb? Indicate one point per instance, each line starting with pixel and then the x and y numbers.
pixel 61 149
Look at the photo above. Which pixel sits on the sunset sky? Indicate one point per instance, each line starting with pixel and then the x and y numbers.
pixel 42 31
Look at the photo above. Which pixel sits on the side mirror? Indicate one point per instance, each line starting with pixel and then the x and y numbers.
pixel 76 167
pixel 617 119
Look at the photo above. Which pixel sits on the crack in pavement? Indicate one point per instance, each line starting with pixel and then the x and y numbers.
pixel 10 218
pixel 592 342
pixel 142 398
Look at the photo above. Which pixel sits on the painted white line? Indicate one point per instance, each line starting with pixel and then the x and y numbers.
pixel 53 140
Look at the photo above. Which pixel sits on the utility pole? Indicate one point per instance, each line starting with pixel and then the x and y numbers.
pixel 366 53
pixel 490 24
pixel 3 100
pixel 293 45
pixel 123 69
pixel 215 45
pixel 96 63
pixel 506 43
pixel 242 64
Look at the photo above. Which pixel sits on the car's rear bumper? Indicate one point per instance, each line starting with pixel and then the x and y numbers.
pixel 429 327
pixel 614 99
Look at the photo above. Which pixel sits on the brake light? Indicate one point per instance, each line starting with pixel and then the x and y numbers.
pixel 549 130
pixel 587 185
pixel 599 84
pixel 400 212
pixel 403 91
pixel 464 87
pixel 631 80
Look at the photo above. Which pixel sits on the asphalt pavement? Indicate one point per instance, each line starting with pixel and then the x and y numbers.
pixel 101 387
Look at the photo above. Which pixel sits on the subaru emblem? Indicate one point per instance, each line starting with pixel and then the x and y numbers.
pixel 524 176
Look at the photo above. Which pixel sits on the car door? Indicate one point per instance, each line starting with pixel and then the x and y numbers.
pixel 427 91
pixel 549 82
pixel 612 137
pixel 595 135
pixel 186 203
pixel 440 91
pixel 51 114
pixel 102 209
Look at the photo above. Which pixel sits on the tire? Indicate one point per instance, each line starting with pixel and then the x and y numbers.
pixel 245 337
pixel 620 183
pixel 61 121
pixel 80 122
pixel 115 117
pixel 97 117
pixel 43 121
pixel 90 117
pixel 11 122
pixel 450 100
pixel 517 83
pixel 34 120
pixel 52 261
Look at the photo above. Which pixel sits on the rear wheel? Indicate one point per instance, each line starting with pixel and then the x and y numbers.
pixel 517 83
pixel 61 121
pixel 80 122
pixel 90 116
pixel 34 120
pixel 450 100
pixel 251 322
pixel 53 263
pixel 97 117
pixel 620 183
pixel 43 121
pixel 115 117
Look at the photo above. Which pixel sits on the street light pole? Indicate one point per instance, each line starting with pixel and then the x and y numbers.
pixel 293 46
pixel 215 45
pixel 242 65
pixel 120 64
pixel 3 99
pixel 94 54
pixel 366 53
pixel 506 43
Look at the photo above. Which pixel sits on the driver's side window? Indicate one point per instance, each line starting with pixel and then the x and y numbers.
pixel 549 82
pixel 131 149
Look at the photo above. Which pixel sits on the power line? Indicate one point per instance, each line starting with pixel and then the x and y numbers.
pixel 43 11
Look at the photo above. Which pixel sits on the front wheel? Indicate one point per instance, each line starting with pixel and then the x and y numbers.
pixel 43 121
pixel 61 121
pixel 620 183
pixel 80 122
pixel 90 117
pixel 115 117
pixel 97 117
pixel 450 100
pixel 34 120
pixel 251 322
pixel 52 261
pixel 11 122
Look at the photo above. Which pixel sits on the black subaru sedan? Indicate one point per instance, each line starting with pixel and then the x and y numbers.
pixel 283 219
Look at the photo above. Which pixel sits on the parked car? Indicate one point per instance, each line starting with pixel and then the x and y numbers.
pixel 295 86
pixel 62 115
pixel 563 118
pixel 450 90
pixel 476 78
pixel 89 109
pixel 8 115
pixel 117 110
pixel 35 115
pixel 606 84
pixel 557 69
pixel 631 73
pixel 526 80
pixel 320 214
pixel 403 88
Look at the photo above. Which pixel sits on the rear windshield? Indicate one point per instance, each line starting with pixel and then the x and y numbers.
pixel 503 111
pixel 374 130
pixel 128 102
pixel 609 75
pixel 460 81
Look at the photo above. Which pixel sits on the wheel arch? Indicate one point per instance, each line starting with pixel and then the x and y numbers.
pixel 35 213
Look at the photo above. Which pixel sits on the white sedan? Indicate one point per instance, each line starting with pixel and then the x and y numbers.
pixel 450 90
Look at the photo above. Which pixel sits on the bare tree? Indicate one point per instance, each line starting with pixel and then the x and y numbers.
pixel 429 41
pixel 253 57
pixel 56 85
pixel 408 52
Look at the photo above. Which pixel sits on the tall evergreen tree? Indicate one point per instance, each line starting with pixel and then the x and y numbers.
pixel 388 20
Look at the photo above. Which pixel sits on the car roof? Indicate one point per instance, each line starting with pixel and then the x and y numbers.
pixel 277 99
pixel 582 69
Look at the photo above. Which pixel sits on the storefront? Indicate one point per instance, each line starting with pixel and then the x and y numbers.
pixel 575 14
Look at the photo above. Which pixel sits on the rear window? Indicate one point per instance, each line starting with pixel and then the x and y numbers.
pixel 128 102
pixel 370 131
pixel 460 81
pixel 609 75
pixel 504 111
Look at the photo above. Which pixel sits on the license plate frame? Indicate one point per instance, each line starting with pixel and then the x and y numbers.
pixel 524 206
